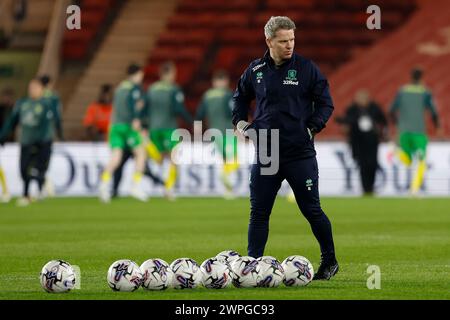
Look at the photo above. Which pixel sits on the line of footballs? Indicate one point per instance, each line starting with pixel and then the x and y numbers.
pixel 185 273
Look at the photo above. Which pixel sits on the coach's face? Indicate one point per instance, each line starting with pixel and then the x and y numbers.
pixel 282 45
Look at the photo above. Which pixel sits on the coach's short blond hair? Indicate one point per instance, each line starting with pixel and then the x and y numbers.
pixel 276 23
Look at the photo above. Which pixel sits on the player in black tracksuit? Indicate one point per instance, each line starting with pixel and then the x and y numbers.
pixel 36 116
pixel 292 96
pixel 366 125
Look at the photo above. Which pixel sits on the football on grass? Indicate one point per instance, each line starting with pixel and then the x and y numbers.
pixel 57 276
pixel 156 274
pixel 215 274
pixel 271 271
pixel 245 272
pixel 228 256
pixel 124 275
pixel 186 273
pixel 298 271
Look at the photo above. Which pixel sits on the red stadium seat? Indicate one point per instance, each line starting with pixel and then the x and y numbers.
pixel 75 51
pixel 177 38
pixel 217 5
pixel 232 20
pixel 161 54
pixel 185 72
pixel 83 35
pixel 244 36
pixel 289 4
pixel 92 18
pixel 97 4
pixel 188 21
pixel 226 57
pixel 353 5
pixel 230 33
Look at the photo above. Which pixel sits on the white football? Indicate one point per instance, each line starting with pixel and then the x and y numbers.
pixel 156 274
pixel 215 274
pixel 228 256
pixel 298 271
pixel 124 275
pixel 245 272
pixel 271 271
pixel 186 273
pixel 57 276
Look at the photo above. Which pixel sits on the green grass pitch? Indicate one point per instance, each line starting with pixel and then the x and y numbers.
pixel 409 239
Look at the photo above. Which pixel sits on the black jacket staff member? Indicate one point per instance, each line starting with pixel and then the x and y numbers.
pixel 292 96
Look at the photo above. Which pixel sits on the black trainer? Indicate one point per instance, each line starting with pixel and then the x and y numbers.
pixel 326 270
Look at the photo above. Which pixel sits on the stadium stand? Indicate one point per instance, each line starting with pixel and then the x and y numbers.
pixel 130 39
pixel 386 66
pixel 329 32
pixel 203 36
pixel 29 32
pixel 76 43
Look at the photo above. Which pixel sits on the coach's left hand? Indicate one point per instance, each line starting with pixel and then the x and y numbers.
pixel 242 127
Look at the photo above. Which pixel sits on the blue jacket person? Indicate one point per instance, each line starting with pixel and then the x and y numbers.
pixel 292 96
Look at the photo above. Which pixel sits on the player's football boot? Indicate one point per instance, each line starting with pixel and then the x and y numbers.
pixel 327 269
pixel 104 194
pixel 49 188
pixel 170 195
pixel 23 202
pixel 226 181
pixel 137 193
pixel 5 198
pixel 229 195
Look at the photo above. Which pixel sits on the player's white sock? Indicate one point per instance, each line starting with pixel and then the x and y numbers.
pixel 5 198
pixel 23 202
pixel 104 192
pixel 229 195
pixel 49 188
pixel 137 192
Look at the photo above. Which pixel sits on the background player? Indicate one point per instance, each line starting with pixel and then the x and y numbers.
pixel 125 129
pixel 407 111
pixel 215 107
pixel 56 105
pixel 165 102
pixel 366 125
pixel 127 153
pixel 35 116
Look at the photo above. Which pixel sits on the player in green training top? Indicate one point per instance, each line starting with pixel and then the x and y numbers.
pixel 216 106
pixel 56 105
pixel 128 103
pixel 35 116
pixel 165 102
pixel 407 111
